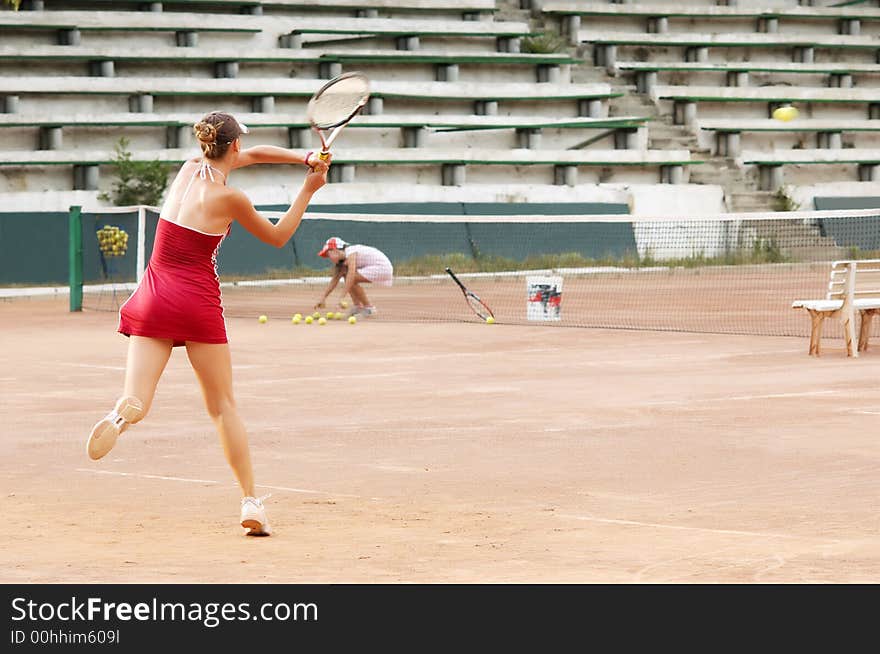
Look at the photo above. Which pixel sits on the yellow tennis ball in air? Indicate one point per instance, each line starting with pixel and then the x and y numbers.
pixel 490 320
pixel 322 320
pixel 352 320
pixel 785 113
pixel 309 320
pixel 263 319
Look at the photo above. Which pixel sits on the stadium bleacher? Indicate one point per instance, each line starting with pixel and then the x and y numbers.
pixel 464 92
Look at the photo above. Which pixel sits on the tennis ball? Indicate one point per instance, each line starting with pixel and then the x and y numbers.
pixel 490 320
pixel 330 315
pixel 352 320
pixel 298 316
pixel 343 304
pixel 316 315
pixel 297 319
pixel 322 320
pixel 263 319
pixel 785 113
pixel 309 320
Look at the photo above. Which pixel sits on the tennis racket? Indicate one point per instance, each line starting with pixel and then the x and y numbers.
pixel 335 104
pixel 474 302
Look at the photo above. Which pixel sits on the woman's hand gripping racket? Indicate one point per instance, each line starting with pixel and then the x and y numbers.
pixel 335 104
pixel 474 302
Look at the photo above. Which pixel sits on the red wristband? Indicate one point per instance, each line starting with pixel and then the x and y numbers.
pixel 308 154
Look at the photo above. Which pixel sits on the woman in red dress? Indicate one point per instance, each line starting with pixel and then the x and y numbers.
pixel 178 303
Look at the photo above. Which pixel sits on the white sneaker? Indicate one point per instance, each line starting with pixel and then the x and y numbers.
pixel 105 432
pixel 368 312
pixel 253 516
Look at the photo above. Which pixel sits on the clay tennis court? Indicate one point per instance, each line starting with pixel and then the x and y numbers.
pixel 446 452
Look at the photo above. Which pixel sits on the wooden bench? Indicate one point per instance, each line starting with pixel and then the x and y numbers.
pixel 771 163
pixel 657 15
pixel 324 30
pixel 451 162
pixel 696 46
pixel 685 98
pixel 469 9
pixel 102 59
pixel 434 122
pixel 853 286
pixel 381 156
pixel 587 97
pixel 728 131
pixel 292 31
pixel 737 72
pixel 68 24
pixel 413 127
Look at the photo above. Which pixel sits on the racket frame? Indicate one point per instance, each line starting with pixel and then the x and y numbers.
pixel 468 295
pixel 336 127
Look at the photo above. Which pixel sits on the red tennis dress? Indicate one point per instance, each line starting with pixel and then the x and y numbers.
pixel 179 294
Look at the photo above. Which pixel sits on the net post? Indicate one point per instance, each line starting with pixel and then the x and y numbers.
pixel 141 242
pixel 75 257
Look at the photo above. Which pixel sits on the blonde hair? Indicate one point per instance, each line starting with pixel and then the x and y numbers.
pixel 216 132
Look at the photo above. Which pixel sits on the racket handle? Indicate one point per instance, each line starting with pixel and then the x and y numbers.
pixel 324 155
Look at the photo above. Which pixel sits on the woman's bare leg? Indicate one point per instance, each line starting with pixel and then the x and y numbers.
pixel 358 294
pixel 146 360
pixel 212 364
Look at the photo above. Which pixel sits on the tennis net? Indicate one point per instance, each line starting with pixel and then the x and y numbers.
pixel 730 273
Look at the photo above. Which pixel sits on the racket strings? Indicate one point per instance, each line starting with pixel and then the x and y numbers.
pixel 338 102
pixel 478 307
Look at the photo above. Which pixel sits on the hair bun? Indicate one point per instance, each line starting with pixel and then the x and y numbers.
pixel 205 132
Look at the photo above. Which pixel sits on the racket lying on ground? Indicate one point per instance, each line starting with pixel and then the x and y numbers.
pixel 335 104
pixel 474 302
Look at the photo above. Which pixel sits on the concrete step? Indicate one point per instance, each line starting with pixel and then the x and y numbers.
pixel 672 142
pixel 755 200
pixel 579 76
pixel 705 174
pixel 665 129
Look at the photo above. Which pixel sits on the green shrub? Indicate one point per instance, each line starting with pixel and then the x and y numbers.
pixel 544 43
pixel 138 182
pixel 782 201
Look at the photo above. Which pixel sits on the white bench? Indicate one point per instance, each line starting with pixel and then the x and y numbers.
pixel 300 87
pixel 853 286
pixel 452 164
pixel 464 6
pixel 770 164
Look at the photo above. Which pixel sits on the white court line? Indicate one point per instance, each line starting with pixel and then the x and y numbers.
pixel 307 491
pixel 739 398
pixel 146 476
pixel 653 525
pixel 209 481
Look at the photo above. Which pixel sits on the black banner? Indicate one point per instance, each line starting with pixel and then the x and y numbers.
pixel 545 618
